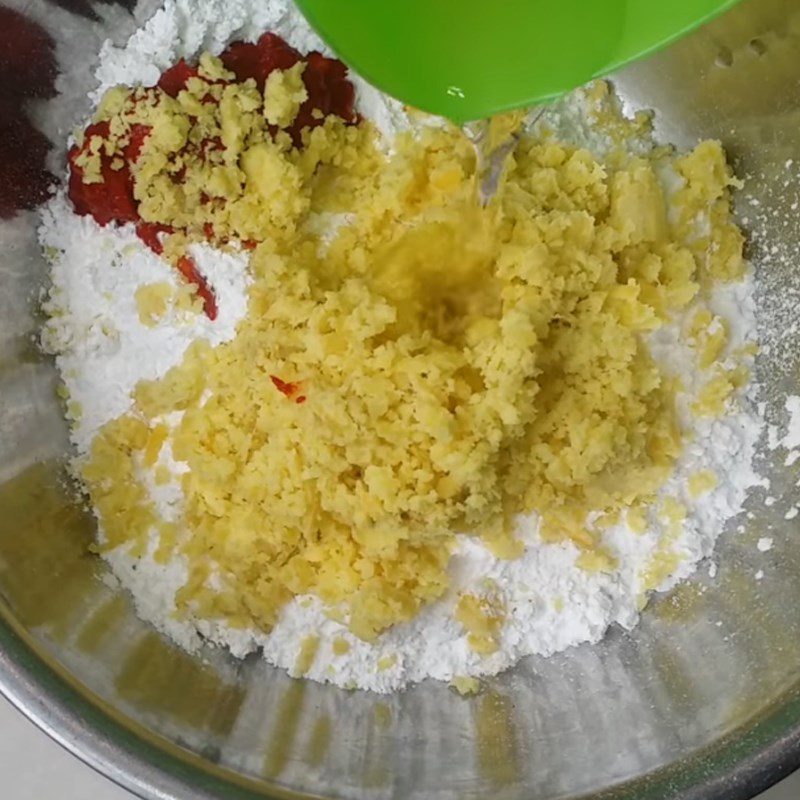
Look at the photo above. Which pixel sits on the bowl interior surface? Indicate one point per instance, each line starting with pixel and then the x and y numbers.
pixel 701 700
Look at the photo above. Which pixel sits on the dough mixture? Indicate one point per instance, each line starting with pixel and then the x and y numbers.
pixel 329 406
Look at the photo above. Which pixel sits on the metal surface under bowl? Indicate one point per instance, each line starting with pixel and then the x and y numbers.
pixel 702 700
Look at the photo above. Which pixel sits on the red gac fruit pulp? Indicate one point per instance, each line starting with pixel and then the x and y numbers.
pixel 112 199
pixel 174 80
pixel 188 269
pixel 256 61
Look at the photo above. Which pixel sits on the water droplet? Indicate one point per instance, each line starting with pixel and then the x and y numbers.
pixel 456 91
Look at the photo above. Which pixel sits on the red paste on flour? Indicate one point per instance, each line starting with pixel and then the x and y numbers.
pixel 112 199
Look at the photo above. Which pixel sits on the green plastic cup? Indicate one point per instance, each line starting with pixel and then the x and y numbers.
pixel 469 59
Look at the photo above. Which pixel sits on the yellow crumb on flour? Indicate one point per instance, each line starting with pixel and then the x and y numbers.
pixel 483 618
pixel 636 519
pixel 702 482
pixel 152 302
pixel 709 334
pixel 713 398
pixel 466 686
pixel 74 409
pixel 118 496
pixel 340 646
pixel 436 366
pixel 386 662
pixel 596 561
pixel 666 559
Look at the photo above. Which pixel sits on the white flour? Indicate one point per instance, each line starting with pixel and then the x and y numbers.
pixel 95 323
pixel 103 350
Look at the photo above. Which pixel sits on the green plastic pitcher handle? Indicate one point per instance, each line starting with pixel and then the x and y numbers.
pixel 469 59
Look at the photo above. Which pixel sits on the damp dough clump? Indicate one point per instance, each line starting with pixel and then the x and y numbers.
pixel 414 367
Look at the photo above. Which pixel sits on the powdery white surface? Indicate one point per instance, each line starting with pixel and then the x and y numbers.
pixel 103 350
pixel 790 441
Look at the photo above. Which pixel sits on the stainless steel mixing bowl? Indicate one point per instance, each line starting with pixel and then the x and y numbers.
pixel 702 700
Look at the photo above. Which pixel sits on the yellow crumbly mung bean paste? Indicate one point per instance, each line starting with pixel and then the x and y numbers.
pixel 414 366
